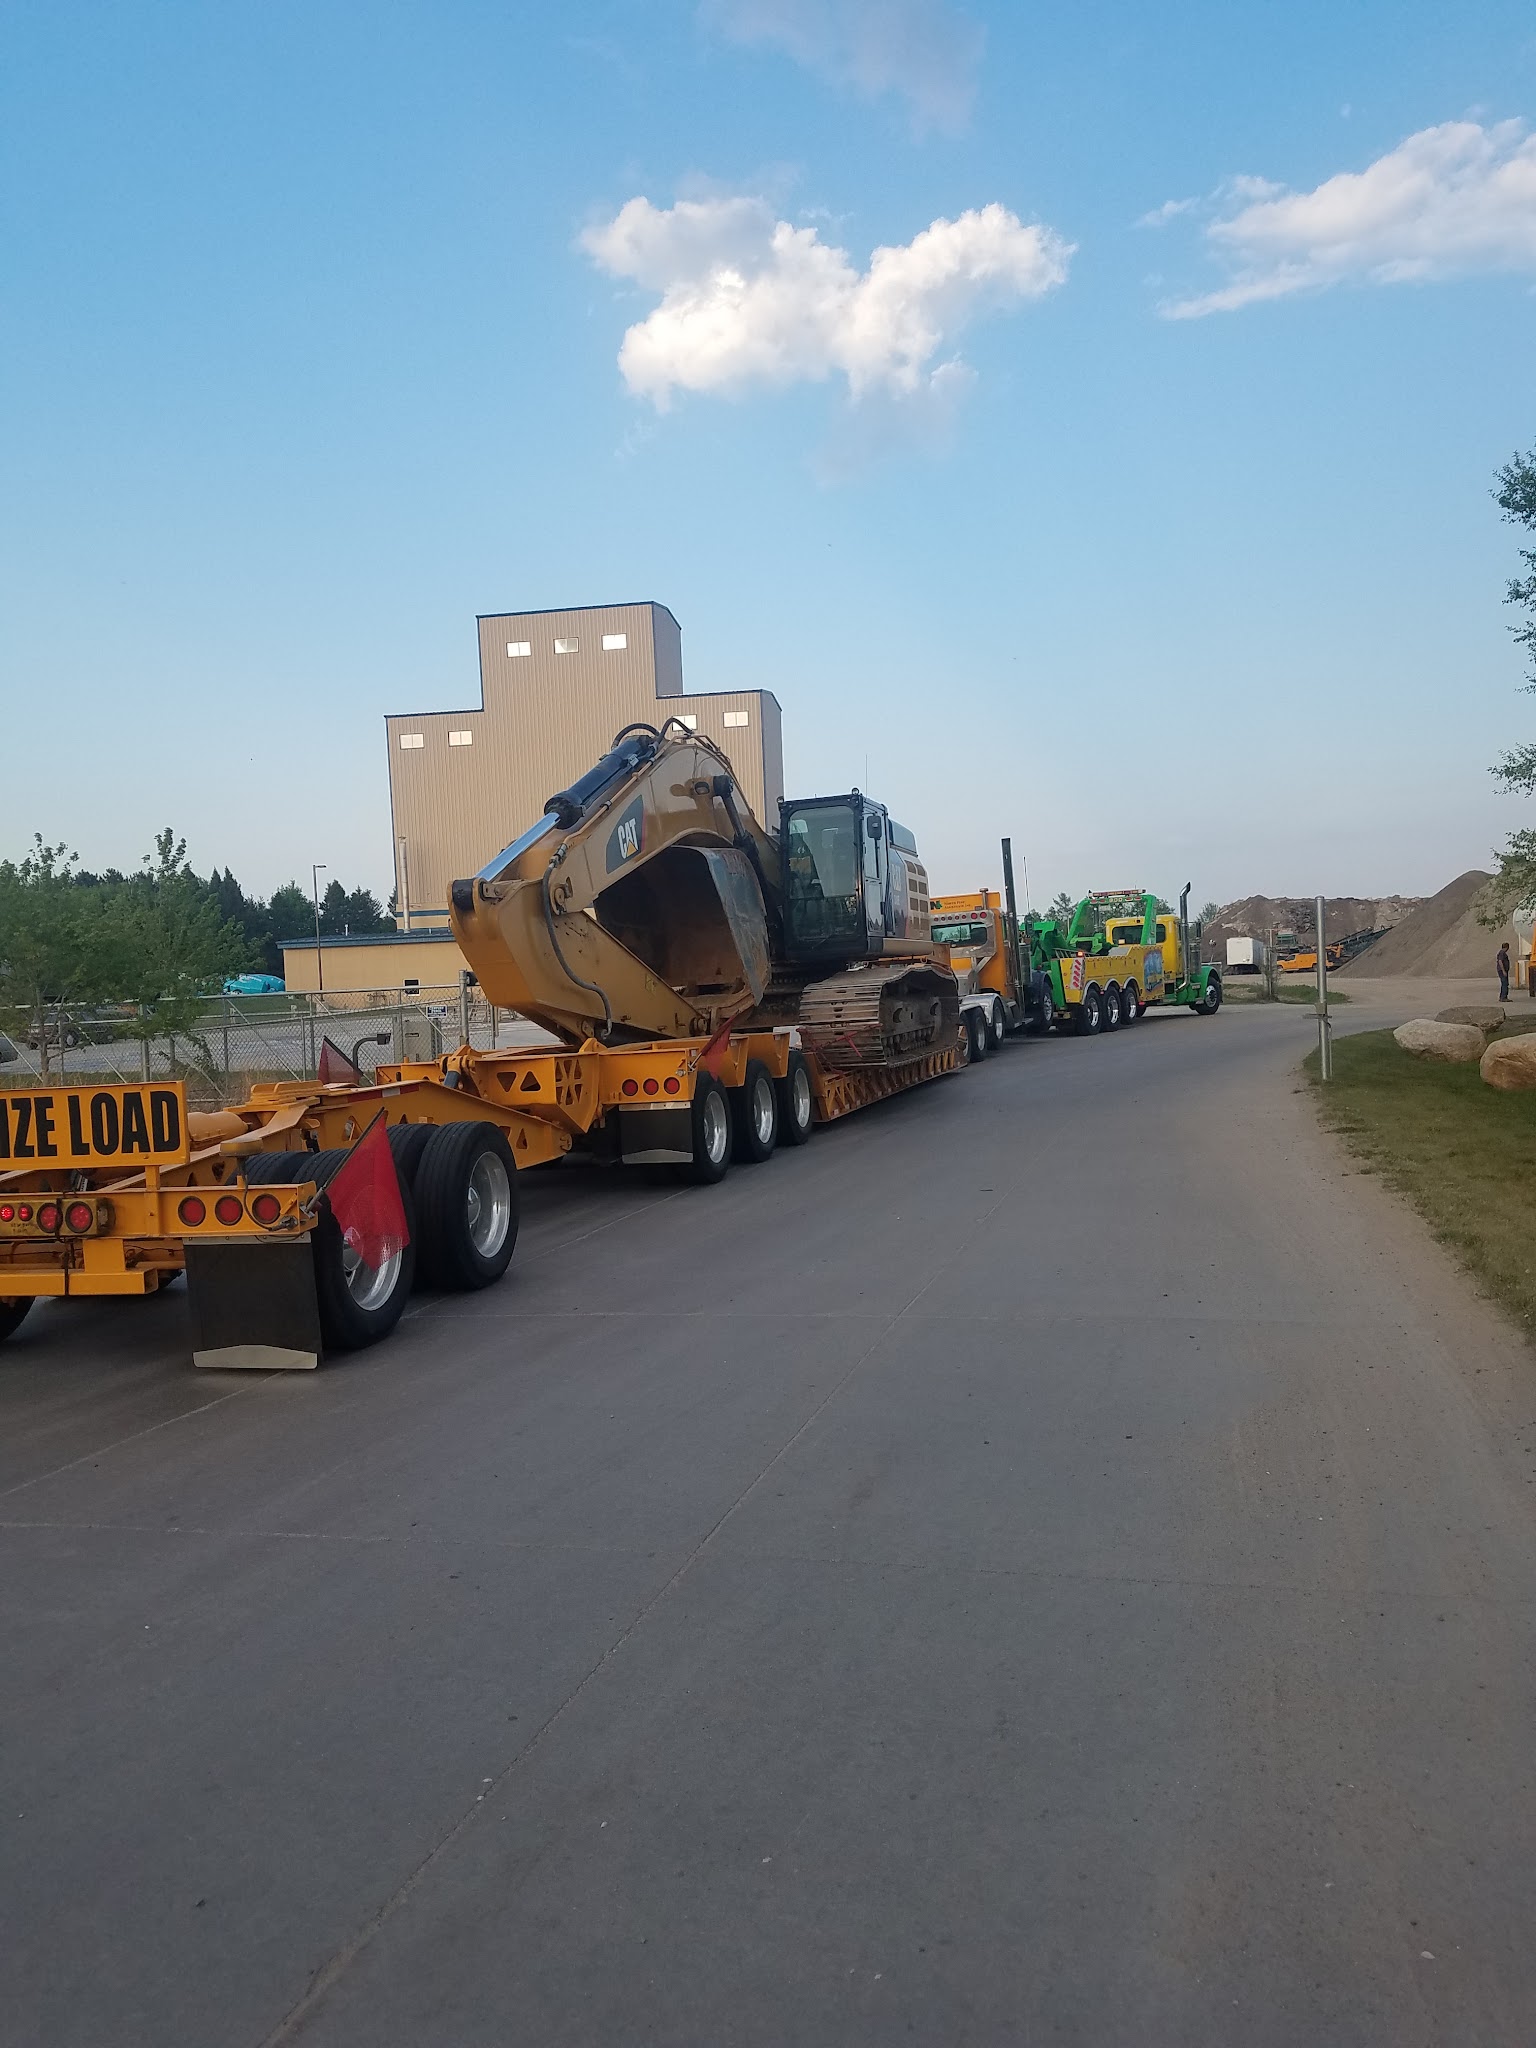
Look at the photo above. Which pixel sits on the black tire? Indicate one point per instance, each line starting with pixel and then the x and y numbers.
pixel 287 1169
pixel 1210 1002
pixel 711 1133
pixel 1044 1020
pixel 408 1142
pixel 754 1116
pixel 1090 1013
pixel 357 1306
pixel 797 1102
pixel 13 1313
pixel 1131 1003
pixel 466 1206
pixel 976 1031
pixel 997 1027
pixel 1114 1006
pixel 69 1038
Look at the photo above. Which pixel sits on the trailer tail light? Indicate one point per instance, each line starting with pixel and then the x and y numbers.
pixel 672 1084
pixel 24 1213
pixel 650 1084
pixel 80 1216
pixel 7 1212
pixel 229 1209
pixel 266 1208
pixel 191 1211
pixel 630 1087
pixel 49 1216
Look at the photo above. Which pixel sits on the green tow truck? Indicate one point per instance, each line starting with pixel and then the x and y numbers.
pixel 1117 953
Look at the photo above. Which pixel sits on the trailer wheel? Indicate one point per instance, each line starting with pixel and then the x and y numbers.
pixel 1114 1006
pixel 711 1132
pixel 997 1027
pixel 1090 1014
pixel 976 1032
pixel 408 1142
pixel 1210 1000
pixel 754 1116
pixel 358 1304
pixel 13 1314
pixel 1130 1002
pixel 797 1104
pixel 466 1198
pixel 287 1168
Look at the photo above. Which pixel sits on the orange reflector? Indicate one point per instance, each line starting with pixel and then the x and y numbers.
pixel 228 1209
pixel 191 1212
pixel 266 1208
pixel 79 1215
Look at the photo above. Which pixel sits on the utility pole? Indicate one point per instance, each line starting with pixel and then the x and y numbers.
pixel 315 872
pixel 1324 1021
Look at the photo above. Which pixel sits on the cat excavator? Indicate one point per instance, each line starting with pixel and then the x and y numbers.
pixel 648 903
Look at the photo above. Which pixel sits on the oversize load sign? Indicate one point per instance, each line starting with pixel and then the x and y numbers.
pixel 94 1127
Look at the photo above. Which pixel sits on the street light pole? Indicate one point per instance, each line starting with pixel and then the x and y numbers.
pixel 316 869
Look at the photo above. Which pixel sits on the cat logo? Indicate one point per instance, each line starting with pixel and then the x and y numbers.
pixel 627 837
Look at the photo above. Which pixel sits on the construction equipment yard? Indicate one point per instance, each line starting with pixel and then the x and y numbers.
pixel 1013 1568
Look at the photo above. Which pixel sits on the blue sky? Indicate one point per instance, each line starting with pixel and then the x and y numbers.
pixel 310 351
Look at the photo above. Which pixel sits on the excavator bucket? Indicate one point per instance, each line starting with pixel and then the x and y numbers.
pixel 694 915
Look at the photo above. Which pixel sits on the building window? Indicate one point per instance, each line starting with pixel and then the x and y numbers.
pixel 565 647
pixel 518 647
pixel 461 739
pixel 687 718
pixel 738 718
pixel 412 739
pixel 615 643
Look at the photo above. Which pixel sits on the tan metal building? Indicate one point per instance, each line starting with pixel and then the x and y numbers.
pixel 381 960
pixel 555 687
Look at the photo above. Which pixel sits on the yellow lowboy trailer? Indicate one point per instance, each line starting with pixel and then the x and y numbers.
pixel 117 1191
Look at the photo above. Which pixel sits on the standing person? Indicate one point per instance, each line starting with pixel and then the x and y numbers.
pixel 1501 968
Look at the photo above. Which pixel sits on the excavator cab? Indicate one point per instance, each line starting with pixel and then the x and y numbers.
pixel 850 877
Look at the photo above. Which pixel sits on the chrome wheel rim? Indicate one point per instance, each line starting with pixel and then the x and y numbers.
pixel 717 1130
pixel 800 1095
pixel 763 1110
pixel 488 1205
pixel 369 1286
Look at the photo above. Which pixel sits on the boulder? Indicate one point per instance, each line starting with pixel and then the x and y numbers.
pixel 1486 1016
pixel 1510 1063
pixel 1428 1039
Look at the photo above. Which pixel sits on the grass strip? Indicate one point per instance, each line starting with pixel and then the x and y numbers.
pixel 1461 1152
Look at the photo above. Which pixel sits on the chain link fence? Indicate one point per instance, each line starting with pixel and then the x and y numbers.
pixel 236 1040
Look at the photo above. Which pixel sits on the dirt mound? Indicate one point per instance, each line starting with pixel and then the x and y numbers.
pixel 1442 938
pixel 1254 916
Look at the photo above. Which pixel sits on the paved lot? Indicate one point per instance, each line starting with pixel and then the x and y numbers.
pixel 1053 1562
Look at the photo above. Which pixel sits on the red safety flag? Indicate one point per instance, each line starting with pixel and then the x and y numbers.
pixel 364 1194
pixel 712 1058
pixel 335 1066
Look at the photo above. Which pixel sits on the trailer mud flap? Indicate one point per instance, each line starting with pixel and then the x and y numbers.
pixel 254 1307
pixel 656 1137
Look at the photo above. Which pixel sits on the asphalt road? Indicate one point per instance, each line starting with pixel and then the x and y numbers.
pixel 1053 1562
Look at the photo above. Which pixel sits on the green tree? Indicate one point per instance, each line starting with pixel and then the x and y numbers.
pixel 49 940
pixel 358 911
pixel 1208 914
pixel 1062 907
pixel 1514 885
pixel 166 946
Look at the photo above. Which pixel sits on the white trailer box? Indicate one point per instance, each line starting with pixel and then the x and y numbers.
pixel 1245 956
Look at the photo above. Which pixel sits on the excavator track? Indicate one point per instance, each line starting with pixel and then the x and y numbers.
pixel 879 1016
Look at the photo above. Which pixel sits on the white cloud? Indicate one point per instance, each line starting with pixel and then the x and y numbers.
pixel 921 49
pixel 1450 200
pixel 748 300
